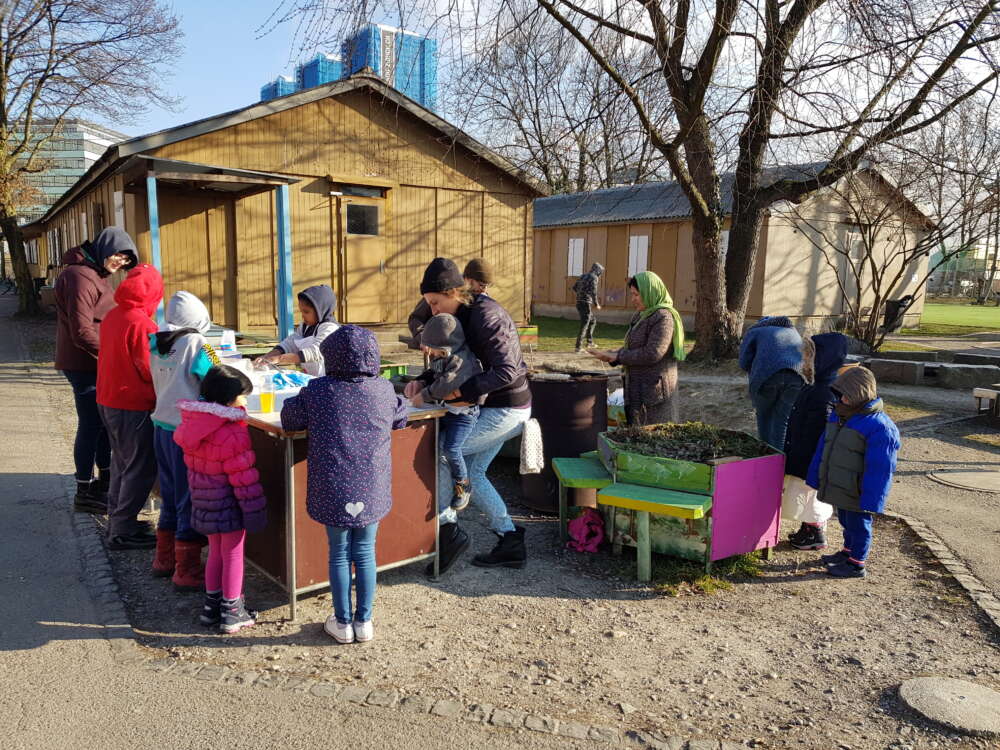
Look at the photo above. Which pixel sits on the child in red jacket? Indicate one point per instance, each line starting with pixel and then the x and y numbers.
pixel 227 500
pixel 125 398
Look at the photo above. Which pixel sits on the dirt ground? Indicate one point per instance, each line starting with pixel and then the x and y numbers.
pixel 788 658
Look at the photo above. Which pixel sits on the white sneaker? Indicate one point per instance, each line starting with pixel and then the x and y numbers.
pixel 339 633
pixel 363 631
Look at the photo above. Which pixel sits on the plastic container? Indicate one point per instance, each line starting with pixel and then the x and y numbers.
pixel 267 396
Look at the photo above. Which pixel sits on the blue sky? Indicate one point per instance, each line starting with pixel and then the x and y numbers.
pixel 223 64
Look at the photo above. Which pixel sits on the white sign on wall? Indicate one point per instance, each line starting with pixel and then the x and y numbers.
pixel 575 257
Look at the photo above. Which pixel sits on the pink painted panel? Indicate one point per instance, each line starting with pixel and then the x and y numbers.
pixel 746 505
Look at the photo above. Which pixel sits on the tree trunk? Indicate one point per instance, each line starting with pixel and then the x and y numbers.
pixel 27 302
pixel 741 259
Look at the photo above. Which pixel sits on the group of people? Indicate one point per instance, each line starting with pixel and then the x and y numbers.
pixel 840 446
pixel 154 403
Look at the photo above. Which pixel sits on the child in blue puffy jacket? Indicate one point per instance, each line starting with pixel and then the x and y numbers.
pixel 853 466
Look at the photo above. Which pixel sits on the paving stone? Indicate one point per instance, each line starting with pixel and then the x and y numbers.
pixel 647 739
pixel 271 679
pixel 545 724
pixel 241 678
pixel 896 371
pixel 733 745
pixel 506 718
pixel 354 694
pixel 705 744
pixel 976 359
pixel 325 690
pixel 604 734
pixel 478 712
pixel 574 729
pixel 967 377
pixel 418 704
pixel 958 704
pixel 447 709
pixel 161 665
pixel 298 684
pixel 212 673
pixel 387 698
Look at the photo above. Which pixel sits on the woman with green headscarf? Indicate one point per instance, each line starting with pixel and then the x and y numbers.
pixel 654 345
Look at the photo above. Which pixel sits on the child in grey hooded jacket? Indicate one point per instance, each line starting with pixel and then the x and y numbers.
pixel 451 364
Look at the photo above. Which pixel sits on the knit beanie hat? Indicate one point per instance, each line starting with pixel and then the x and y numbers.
pixel 857 385
pixel 441 275
pixel 443 332
pixel 480 270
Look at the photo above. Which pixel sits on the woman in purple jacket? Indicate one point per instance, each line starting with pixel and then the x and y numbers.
pixel 502 390
pixel 349 414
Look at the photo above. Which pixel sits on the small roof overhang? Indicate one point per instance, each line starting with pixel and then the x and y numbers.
pixel 192 176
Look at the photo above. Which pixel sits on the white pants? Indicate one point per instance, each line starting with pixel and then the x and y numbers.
pixel 799 503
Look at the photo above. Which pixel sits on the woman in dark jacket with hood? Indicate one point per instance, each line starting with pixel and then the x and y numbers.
pixel 83 297
pixel 805 427
pixel 318 307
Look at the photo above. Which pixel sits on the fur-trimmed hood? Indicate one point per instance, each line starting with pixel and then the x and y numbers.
pixel 199 419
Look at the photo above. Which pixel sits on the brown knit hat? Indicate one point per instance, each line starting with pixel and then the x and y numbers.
pixel 480 270
pixel 857 385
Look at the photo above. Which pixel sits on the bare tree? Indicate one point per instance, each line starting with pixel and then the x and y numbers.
pixel 69 58
pixel 544 104
pixel 831 79
pixel 888 220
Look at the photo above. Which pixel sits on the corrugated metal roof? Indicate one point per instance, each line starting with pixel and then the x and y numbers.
pixel 651 201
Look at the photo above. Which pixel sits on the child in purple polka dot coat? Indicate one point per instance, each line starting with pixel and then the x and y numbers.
pixel 349 414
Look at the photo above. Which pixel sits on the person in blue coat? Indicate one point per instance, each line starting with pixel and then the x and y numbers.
pixel 771 355
pixel 853 466
pixel 350 414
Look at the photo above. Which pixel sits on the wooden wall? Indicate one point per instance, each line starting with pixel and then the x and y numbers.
pixel 440 200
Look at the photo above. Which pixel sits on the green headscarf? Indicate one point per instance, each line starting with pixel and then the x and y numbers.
pixel 655 296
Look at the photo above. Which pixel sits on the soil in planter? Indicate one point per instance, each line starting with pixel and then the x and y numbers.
pixel 690 441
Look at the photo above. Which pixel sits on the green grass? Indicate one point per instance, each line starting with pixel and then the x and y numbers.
pixel 954 320
pixel 904 346
pixel 559 335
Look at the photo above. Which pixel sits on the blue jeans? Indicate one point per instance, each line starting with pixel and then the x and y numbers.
pixel 352 546
pixel 857 532
pixel 773 401
pixel 495 426
pixel 91 445
pixel 455 428
pixel 175 512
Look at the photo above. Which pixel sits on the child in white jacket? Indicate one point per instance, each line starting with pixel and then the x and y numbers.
pixel 317 305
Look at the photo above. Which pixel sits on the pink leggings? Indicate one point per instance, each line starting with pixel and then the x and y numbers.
pixel 224 567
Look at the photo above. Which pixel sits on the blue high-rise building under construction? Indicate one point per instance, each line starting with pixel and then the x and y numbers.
pixel 404 60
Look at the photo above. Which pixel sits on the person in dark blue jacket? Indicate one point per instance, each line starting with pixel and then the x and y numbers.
pixel 853 466
pixel 805 427
pixel 771 354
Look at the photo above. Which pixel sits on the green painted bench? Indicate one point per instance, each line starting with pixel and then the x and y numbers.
pixel 646 500
pixel 586 472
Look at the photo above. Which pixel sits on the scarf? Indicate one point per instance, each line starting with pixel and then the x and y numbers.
pixel 655 296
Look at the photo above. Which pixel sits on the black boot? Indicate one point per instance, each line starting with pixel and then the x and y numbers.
pixel 235 615
pixel 88 500
pixel 211 610
pixel 508 553
pixel 813 538
pixel 801 532
pixel 452 542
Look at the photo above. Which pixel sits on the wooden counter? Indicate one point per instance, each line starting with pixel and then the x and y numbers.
pixel 408 534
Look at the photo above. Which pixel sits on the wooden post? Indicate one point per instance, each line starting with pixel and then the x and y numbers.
pixel 644 556
pixel 154 234
pixel 563 513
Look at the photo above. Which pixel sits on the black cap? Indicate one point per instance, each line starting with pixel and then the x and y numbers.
pixel 441 275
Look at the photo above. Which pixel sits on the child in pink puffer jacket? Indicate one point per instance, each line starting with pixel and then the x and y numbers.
pixel 227 500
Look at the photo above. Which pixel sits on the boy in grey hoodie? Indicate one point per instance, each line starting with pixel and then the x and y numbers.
pixel 179 357
pixel 451 364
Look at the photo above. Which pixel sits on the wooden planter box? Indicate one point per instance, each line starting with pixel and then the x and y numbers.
pixel 745 501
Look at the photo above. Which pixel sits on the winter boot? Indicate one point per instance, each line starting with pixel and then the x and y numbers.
pixel 508 553
pixel 798 533
pixel 813 538
pixel 89 500
pixel 461 496
pixel 452 542
pixel 163 560
pixel 835 559
pixel 211 610
pixel 235 615
pixel 188 573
